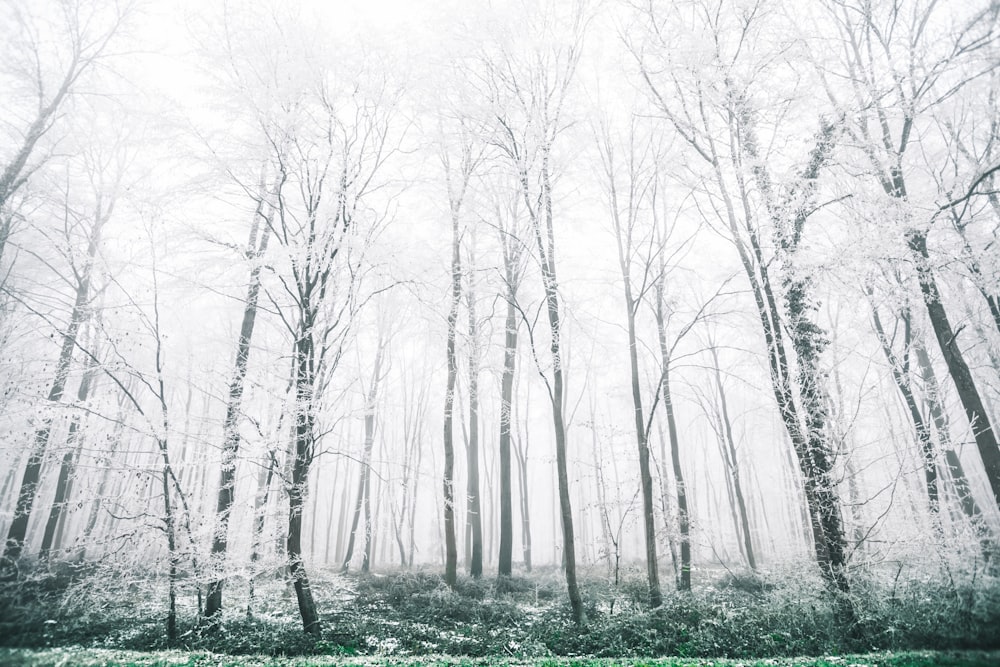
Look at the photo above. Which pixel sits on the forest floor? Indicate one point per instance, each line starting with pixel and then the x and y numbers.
pixel 66 657
pixel 100 615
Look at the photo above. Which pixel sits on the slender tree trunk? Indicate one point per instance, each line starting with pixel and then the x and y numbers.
pixel 171 530
pixel 665 506
pixel 231 425
pixel 259 516
pixel 525 506
pixel 31 478
pixel 68 465
pixel 358 507
pixel 301 460
pixel 684 582
pixel 900 375
pixel 642 440
pixel 939 418
pixel 972 403
pixel 546 252
pixel 451 548
pixel 733 464
pixel 369 550
pixel 416 484
pixel 475 522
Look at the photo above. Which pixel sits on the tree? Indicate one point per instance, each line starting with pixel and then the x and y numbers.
pixel 82 268
pixel 255 250
pixel 626 209
pixel 896 76
pixel 457 181
pixel 363 502
pixel 474 513
pixel 84 32
pixel 327 156
pixel 713 113
pixel 512 250
pixel 530 103
pixel 67 466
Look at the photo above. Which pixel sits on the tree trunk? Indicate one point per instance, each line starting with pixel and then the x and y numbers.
pixel 451 548
pixel 939 418
pixel 733 465
pixel 642 441
pixel 231 425
pixel 525 505
pixel 33 470
pixel 472 488
pixel 684 582
pixel 505 558
pixel 986 440
pixel 171 530
pixel 259 516
pixel 900 375
pixel 68 466
pixel 301 460
pixel 546 252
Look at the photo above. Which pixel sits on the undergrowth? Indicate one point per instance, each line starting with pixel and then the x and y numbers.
pixel 413 613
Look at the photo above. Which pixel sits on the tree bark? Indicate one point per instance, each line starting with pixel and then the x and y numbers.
pixel 33 470
pixel 67 467
pixel 472 488
pixel 972 403
pixel 231 425
pixel 641 431
pixel 451 548
pixel 900 375
pixel 301 460
pixel 504 561
pixel 546 253
pixel 733 464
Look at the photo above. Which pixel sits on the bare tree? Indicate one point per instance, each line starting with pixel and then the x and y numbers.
pixel 255 250
pixel 529 90
pixel 82 269
pixel 894 79
pixel 636 249
pixel 84 33
pixel 457 179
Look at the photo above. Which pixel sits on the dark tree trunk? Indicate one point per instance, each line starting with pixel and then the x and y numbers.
pixel 33 470
pixel 231 425
pixel 546 253
pixel 642 441
pixel 939 418
pixel 808 427
pixel 972 403
pixel 504 562
pixel 67 467
pixel 683 518
pixel 900 375
pixel 475 521
pixel 451 547
pixel 171 530
pixel 301 460
pixel 733 465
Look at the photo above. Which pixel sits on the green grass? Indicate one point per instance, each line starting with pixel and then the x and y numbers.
pixel 404 615
pixel 66 657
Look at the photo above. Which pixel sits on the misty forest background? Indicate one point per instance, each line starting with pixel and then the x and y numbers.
pixel 602 327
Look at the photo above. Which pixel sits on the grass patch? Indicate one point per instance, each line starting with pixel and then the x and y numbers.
pixel 115 658
pixel 404 615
